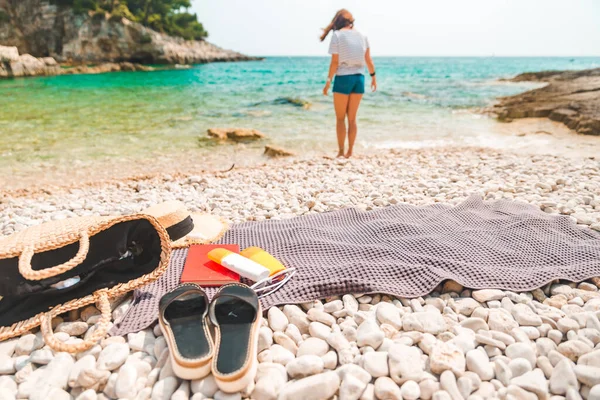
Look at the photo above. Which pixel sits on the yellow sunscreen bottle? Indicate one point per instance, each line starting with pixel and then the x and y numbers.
pixel 263 258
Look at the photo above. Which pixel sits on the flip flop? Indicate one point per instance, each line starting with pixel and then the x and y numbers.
pixel 182 318
pixel 236 314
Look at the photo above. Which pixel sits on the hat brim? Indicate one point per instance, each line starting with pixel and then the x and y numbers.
pixel 207 229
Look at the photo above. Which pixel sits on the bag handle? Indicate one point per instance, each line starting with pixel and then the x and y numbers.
pixel 28 273
pixel 101 327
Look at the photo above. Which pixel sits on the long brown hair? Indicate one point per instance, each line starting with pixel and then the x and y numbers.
pixel 342 19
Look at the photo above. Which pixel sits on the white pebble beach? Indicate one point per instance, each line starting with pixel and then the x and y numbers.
pixel 454 343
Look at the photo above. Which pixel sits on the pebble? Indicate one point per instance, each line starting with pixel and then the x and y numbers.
pixel 405 363
pixel 478 362
pixel 164 389
pixel 385 388
pixel 563 377
pixel 376 363
pixel 316 387
pixel 278 322
pixel 522 350
pixel 533 381
pixel 446 356
pixel 113 356
pixel 304 366
pixel 206 386
pixel 369 334
pixel 75 328
pixel 410 390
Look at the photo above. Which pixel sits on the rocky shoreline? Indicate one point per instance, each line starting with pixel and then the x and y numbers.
pixel 570 97
pixel 49 36
pixel 454 343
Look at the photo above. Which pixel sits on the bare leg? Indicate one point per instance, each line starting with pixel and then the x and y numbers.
pixel 353 103
pixel 340 103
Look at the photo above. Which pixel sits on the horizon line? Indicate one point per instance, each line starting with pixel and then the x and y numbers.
pixel 437 56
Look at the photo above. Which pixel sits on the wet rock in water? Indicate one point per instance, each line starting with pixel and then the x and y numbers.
pixel 235 134
pixel 274 151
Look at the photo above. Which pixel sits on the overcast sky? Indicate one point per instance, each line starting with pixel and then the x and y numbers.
pixel 411 28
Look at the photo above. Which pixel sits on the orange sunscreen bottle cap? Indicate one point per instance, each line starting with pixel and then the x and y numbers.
pixel 217 255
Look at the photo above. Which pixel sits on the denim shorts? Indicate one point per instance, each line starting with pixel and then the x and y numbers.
pixel 346 84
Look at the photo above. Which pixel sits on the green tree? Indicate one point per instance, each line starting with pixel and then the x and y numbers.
pixel 167 16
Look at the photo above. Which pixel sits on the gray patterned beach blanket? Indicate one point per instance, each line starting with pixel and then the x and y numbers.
pixel 405 251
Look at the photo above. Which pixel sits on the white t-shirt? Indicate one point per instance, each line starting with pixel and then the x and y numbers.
pixel 351 45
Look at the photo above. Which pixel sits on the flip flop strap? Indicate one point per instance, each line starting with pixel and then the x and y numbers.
pixel 247 295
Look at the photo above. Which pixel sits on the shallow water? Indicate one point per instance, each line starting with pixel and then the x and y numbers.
pixel 50 121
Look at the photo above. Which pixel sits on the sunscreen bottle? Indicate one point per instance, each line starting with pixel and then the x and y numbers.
pixel 239 264
pixel 264 258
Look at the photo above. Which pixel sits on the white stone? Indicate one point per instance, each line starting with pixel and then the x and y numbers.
pixel 563 377
pixel 321 316
pixel 281 355
pixel 296 316
pixel 522 350
pixel 113 356
pixel 592 359
pixel 7 347
pixel 125 384
pixel 86 362
pixel 142 341
pixel 487 295
pixel 525 315
pixel 330 360
pixel 385 388
pixel 410 390
pixel 350 303
pixel 449 384
pixel 265 338
pixel 304 366
pixel 314 346
pixel 286 342
pixel 88 394
pixel 28 343
pixel 573 349
pixel 41 356
pixel 446 356
pixel 319 330
pixel 7 365
pixel 316 387
pixel 369 334
pixel 478 362
pixel 206 386
pixel 533 381
pixel 164 389
pixel 227 396
pixel 466 306
pixel 428 322
pixel 351 388
pixel 278 322
pixel 75 328
pixel 387 313
pixel 405 363
pixel 499 320
pixel 376 363
pixel 588 375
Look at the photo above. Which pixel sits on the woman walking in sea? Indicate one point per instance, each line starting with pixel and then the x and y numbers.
pixel 350 53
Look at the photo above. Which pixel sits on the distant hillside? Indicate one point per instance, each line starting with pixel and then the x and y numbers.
pixel 165 16
pixel 73 34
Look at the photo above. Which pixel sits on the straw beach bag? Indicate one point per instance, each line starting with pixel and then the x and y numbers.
pixel 64 265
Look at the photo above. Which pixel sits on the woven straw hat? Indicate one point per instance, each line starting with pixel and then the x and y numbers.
pixel 207 228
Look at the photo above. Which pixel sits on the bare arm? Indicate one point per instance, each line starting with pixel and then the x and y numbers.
pixel 371 68
pixel 333 66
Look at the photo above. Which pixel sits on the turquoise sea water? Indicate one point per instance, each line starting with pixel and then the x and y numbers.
pixel 87 117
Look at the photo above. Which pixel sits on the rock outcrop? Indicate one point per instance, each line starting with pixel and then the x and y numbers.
pixel 235 134
pixel 275 152
pixel 570 97
pixel 13 65
pixel 42 29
